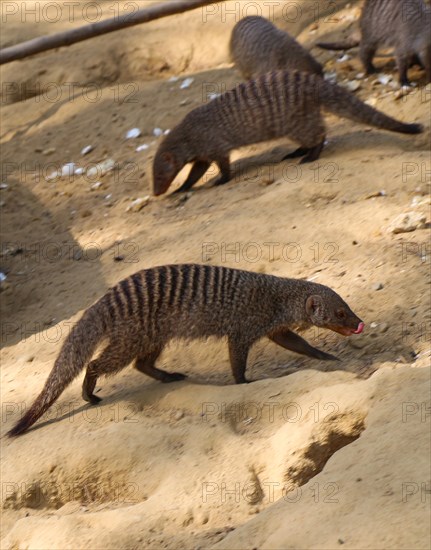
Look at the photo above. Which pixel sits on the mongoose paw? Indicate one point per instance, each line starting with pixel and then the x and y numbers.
pixel 92 399
pixel 173 377
pixel 243 381
pixel 300 152
pixel 221 181
pixel 307 159
pixel 405 82
pixel 182 189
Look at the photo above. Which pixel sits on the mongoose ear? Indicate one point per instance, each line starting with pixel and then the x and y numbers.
pixel 314 305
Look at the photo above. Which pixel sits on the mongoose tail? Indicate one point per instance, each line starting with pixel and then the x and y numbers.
pixel 345 104
pixel 347 45
pixel 74 356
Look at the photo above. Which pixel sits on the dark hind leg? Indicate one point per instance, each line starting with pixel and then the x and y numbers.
pixel 309 154
pixel 416 60
pixel 198 170
pixel 366 53
pixel 145 364
pixel 311 135
pixel 224 164
pixel 313 153
pixel 403 63
pixel 112 359
pixel 425 58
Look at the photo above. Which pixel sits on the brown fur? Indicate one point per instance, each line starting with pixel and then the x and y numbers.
pixel 139 316
pixel 257 47
pixel 274 105
pixel 404 25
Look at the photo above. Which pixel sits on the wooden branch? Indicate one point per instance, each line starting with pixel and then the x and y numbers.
pixel 66 38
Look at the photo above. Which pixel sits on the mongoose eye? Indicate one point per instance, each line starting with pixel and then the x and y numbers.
pixel 341 314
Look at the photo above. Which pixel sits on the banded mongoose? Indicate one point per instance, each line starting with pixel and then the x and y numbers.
pixel 257 47
pixel 139 316
pixel 274 105
pixel 404 25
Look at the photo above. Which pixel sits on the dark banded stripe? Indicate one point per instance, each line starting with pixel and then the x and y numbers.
pixel 233 284
pixel 227 283
pixel 184 285
pixel 127 293
pixel 172 285
pixel 119 305
pixel 103 309
pixel 195 282
pixel 217 284
pixel 206 287
pixel 149 291
pixel 136 280
pixel 164 279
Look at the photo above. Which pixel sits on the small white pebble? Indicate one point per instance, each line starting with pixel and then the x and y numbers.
pixel 68 169
pixel 107 197
pixel 186 83
pixel 142 147
pixel 101 168
pixel 133 133
pixel 157 132
pixel 374 324
pixel 174 79
pixel 96 185
pixel 138 204
pixel 2 277
pixel 345 57
pixel 166 132
pixel 330 77
pixel 87 149
pixel 384 79
pixel 78 171
pixel 3 186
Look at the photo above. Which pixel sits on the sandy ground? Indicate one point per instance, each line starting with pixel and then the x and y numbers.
pixel 309 455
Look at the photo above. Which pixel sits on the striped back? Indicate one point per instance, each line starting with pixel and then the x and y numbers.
pixel 264 108
pixel 150 295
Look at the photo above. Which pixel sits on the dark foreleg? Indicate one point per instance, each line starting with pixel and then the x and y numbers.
pixel 198 170
pixel 291 341
pixel 238 361
pixel 224 165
